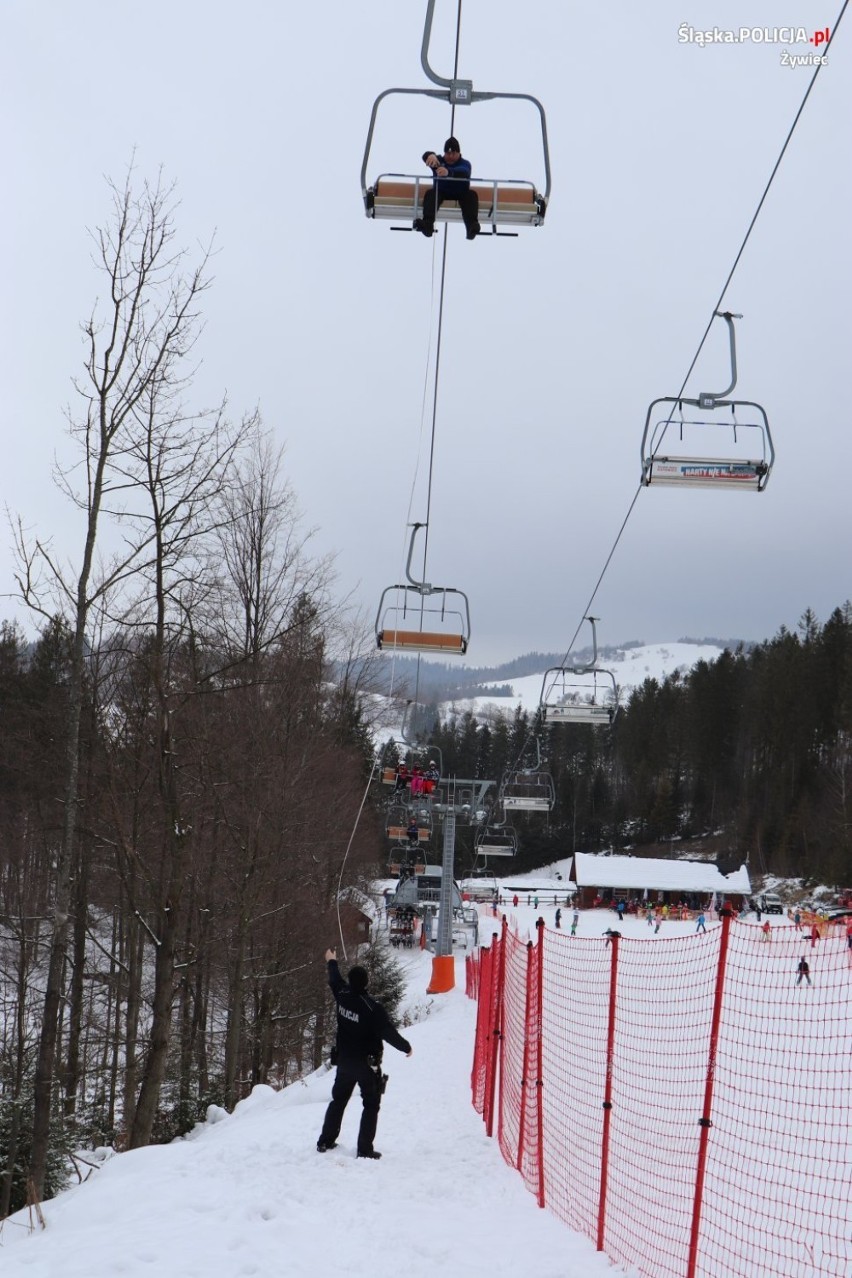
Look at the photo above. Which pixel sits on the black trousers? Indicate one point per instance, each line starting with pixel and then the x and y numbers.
pixel 468 203
pixel 348 1074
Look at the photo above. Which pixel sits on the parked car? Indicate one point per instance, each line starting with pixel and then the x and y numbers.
pixel 771 903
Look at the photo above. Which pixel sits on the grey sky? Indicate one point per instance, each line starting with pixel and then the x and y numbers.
pixel 554 343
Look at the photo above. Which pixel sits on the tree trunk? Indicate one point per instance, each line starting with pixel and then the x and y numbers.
pixel 161 1032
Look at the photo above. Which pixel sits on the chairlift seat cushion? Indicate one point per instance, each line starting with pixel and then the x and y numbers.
pixel 392 198
pixel 525 803
pixel 577 713
pixel 422 641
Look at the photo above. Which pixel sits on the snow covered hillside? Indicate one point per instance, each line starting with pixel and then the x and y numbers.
pixel 631 668
pixel 247 1193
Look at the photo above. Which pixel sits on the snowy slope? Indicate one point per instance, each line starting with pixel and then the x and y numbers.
pixel 247 1194
pixel 631 668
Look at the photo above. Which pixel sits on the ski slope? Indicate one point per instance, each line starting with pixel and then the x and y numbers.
pixel 247 1193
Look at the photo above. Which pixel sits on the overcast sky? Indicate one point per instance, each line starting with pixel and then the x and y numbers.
pixel 554 342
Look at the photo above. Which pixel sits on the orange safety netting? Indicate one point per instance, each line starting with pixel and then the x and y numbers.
pixel 683 1102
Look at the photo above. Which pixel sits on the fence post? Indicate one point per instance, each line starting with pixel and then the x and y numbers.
pixel 607 1102
pixel 539 1082
pixel 480 1050
pixel 705 1121
pixel 503 935
pixel 522 1122
pixel 496 1031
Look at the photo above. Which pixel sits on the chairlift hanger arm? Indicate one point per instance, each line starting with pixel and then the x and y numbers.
pixel 587 667
pixel 422 586
pixel 708 399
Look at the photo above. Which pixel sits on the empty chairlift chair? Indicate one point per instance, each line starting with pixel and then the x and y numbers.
pixel 717 443
pixel 529 791
pixel 503 203
pixel 495 840
pixel 575 694
pixel 416 616
pixel 581 693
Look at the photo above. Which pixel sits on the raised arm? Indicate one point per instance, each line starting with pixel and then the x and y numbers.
pixel 335 980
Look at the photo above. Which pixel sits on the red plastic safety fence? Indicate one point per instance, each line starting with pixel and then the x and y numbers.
pixel 519 1090
pixel 471 975
pixel 683 1102
pixel 483 1031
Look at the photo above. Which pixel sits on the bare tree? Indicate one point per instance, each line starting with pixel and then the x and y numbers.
pixel 138 340
pixel 264 552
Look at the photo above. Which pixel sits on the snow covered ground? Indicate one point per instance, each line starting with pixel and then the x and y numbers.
pixel 247 1193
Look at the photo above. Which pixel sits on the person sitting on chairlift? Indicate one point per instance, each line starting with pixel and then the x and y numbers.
pixel 418 781
pixel 413 833
pixel 452 182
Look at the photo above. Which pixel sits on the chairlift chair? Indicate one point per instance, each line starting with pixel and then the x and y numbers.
pixel 528 789
pixel 703 468
pixel 496 840
pixel 567 696
pixel 398 197
pixel 528 792
pixel 416 616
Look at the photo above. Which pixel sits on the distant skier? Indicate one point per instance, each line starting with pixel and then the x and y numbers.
pixel 814 935
pixel 575 919
pixel 610 934
pixel 701 924
pixel 766 929
pixel 797 920
pixel 558 918
pixel 804 971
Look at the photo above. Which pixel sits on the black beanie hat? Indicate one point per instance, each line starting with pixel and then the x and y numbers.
pixel 358 980
pixel 452 144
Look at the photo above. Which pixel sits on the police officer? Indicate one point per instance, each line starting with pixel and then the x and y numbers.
pixel 362 1026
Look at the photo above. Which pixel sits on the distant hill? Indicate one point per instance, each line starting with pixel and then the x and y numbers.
pixel 631 665
pixel 486 689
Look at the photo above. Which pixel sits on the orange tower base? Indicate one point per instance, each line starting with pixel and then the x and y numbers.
pixel 443 974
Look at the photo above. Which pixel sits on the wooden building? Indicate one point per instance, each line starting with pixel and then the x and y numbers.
pixel 697 884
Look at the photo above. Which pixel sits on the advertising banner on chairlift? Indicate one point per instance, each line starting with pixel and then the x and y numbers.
pixel 706 472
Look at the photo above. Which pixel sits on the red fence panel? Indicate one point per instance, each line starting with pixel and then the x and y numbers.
pixel 481 1045
pixel 779 1163
pixel 511 1129
pixel 762 1189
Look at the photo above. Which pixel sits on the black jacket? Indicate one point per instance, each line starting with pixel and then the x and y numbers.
pixel 362 1023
